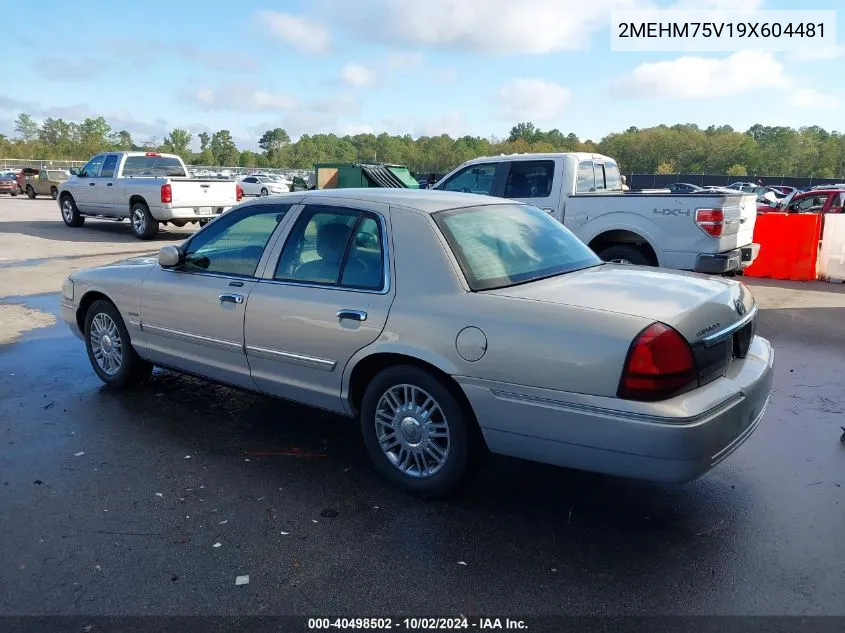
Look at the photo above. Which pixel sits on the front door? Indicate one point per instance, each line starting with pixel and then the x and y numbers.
pixel 83 188
pixel 104 189
pixel 192 316
pixel 325 297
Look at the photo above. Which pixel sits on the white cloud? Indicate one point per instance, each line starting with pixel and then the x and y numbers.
pixel 354 129
pixel 691 77
pixel 301 33
pixel 444 75
pixel 357 75
pixel 493 26
pixel 819 53
pixel 812 99
pixel 239 97
pixel 533 100
pixel 403 60
pixel 452 124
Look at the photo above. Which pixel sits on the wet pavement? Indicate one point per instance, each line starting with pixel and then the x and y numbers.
pixel 113 502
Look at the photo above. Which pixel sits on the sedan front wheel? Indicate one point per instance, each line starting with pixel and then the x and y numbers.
pixel 110 349
pixel 415 431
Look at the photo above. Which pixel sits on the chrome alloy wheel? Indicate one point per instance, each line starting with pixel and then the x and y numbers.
pixel 67 210
pixel 106 344
pixel 412 430
pixel 139 221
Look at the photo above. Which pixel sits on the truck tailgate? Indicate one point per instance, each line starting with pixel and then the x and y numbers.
pixel 204 193
pixel 740 216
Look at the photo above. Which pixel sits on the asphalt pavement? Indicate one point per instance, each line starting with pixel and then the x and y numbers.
pixel 153 501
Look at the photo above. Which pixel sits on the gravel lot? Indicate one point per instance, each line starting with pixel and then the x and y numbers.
pixel 114 502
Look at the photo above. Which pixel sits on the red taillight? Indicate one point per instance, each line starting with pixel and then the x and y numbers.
pixel 660 365
pixel 239 192
pixel 152 154
pixel 711 221
pixel 166 193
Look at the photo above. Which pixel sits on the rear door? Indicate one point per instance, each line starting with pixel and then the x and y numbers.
pixel 534 182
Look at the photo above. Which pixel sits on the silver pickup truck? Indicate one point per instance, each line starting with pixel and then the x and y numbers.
pixel 705 232
pixel 148 188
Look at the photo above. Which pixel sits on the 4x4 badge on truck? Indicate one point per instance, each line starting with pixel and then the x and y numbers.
pixel 740 307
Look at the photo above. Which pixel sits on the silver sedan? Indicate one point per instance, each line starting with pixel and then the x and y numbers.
pixel 449 324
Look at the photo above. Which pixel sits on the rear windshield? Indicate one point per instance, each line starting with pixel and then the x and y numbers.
pixel 507 244
pixel 153 166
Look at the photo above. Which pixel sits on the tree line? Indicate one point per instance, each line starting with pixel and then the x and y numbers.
pixel 683 148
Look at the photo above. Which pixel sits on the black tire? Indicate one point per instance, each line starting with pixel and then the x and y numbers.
pixel 30 192
pixel 624 253
pixel 264 191
pixel 202 223
pixel 14 194
pixel 458 448
pixel 144 226
pixel 54 192
pixel 70 213
pixel 131 369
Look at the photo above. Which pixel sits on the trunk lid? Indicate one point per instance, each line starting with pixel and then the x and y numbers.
pixel 740 215
pixel 203 192
pixel 695 305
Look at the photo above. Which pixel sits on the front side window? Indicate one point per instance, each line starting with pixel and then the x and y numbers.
pixel 530 179
pixel 472 179
pixel 234 243
pixel 586 177
pixel 92 168
pixel 334 246
pixel 508 244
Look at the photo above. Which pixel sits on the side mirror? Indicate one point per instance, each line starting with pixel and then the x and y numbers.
pixel 74 172
pixel 169 256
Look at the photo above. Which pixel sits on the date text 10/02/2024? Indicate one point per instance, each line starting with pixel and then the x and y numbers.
pixel 417 624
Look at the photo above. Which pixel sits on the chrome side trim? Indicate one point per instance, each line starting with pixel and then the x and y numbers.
pixel 193 338
pixel 295 359
pixel 625 415
pixel 724 333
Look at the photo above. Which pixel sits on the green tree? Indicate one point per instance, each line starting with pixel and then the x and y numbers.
pixel 26 128
pixel 205 141
pixel 525 131
pixel 737 170
pixel 666 168
pixel 273 141
pixel 206 158
pixel 224 149
pixel 178 142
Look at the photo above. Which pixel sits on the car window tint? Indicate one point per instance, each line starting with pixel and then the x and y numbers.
pixel 530 179
pixel 233 244
pixel 316 247
pixel 613 178
pixel 364 265
pixel 472 179
pixel 586 177
pixel 159 166
pixel 108 166
pixel 92 168
pixel 502 245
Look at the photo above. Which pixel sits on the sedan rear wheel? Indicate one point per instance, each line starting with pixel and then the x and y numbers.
pixel 264 191
pixel 110 349
pixel 415 431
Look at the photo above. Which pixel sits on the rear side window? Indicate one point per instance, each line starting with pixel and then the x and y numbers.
pixel 472 179
pixel 157 166
pixel 613 179
pixel 108 166
pixel 586 177
pixel 530 179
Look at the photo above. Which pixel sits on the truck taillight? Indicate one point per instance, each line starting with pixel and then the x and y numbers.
pixel 659 365
pixel 152 154
pixel 239 192
pixel 711 221
pixel 166 193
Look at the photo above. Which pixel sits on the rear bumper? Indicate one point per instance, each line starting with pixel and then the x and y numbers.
pixel 716 420
pixel 729 261
pixel 165 214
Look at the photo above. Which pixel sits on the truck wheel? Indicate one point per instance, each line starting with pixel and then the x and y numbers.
pixel 30 192
pixel 625 254
pixel 144 225
pixel 70 214
pixel 264 191
pixel 54 192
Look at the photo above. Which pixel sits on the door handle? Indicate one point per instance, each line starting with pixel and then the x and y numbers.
pixel 353 315
pixel 227 298
pixel 109 184
pixel 91 184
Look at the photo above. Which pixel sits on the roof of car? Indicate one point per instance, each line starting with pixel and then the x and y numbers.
pixel 425 200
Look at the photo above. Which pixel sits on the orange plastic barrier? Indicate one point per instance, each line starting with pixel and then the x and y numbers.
pixel 789 246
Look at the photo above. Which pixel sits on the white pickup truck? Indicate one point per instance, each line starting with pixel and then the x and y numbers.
pixel 703 232
pixel 148 188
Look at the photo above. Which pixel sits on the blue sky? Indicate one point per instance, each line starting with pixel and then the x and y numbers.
pixel 400 66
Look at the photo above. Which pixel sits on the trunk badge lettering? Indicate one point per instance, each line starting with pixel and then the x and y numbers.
pixel 709 328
